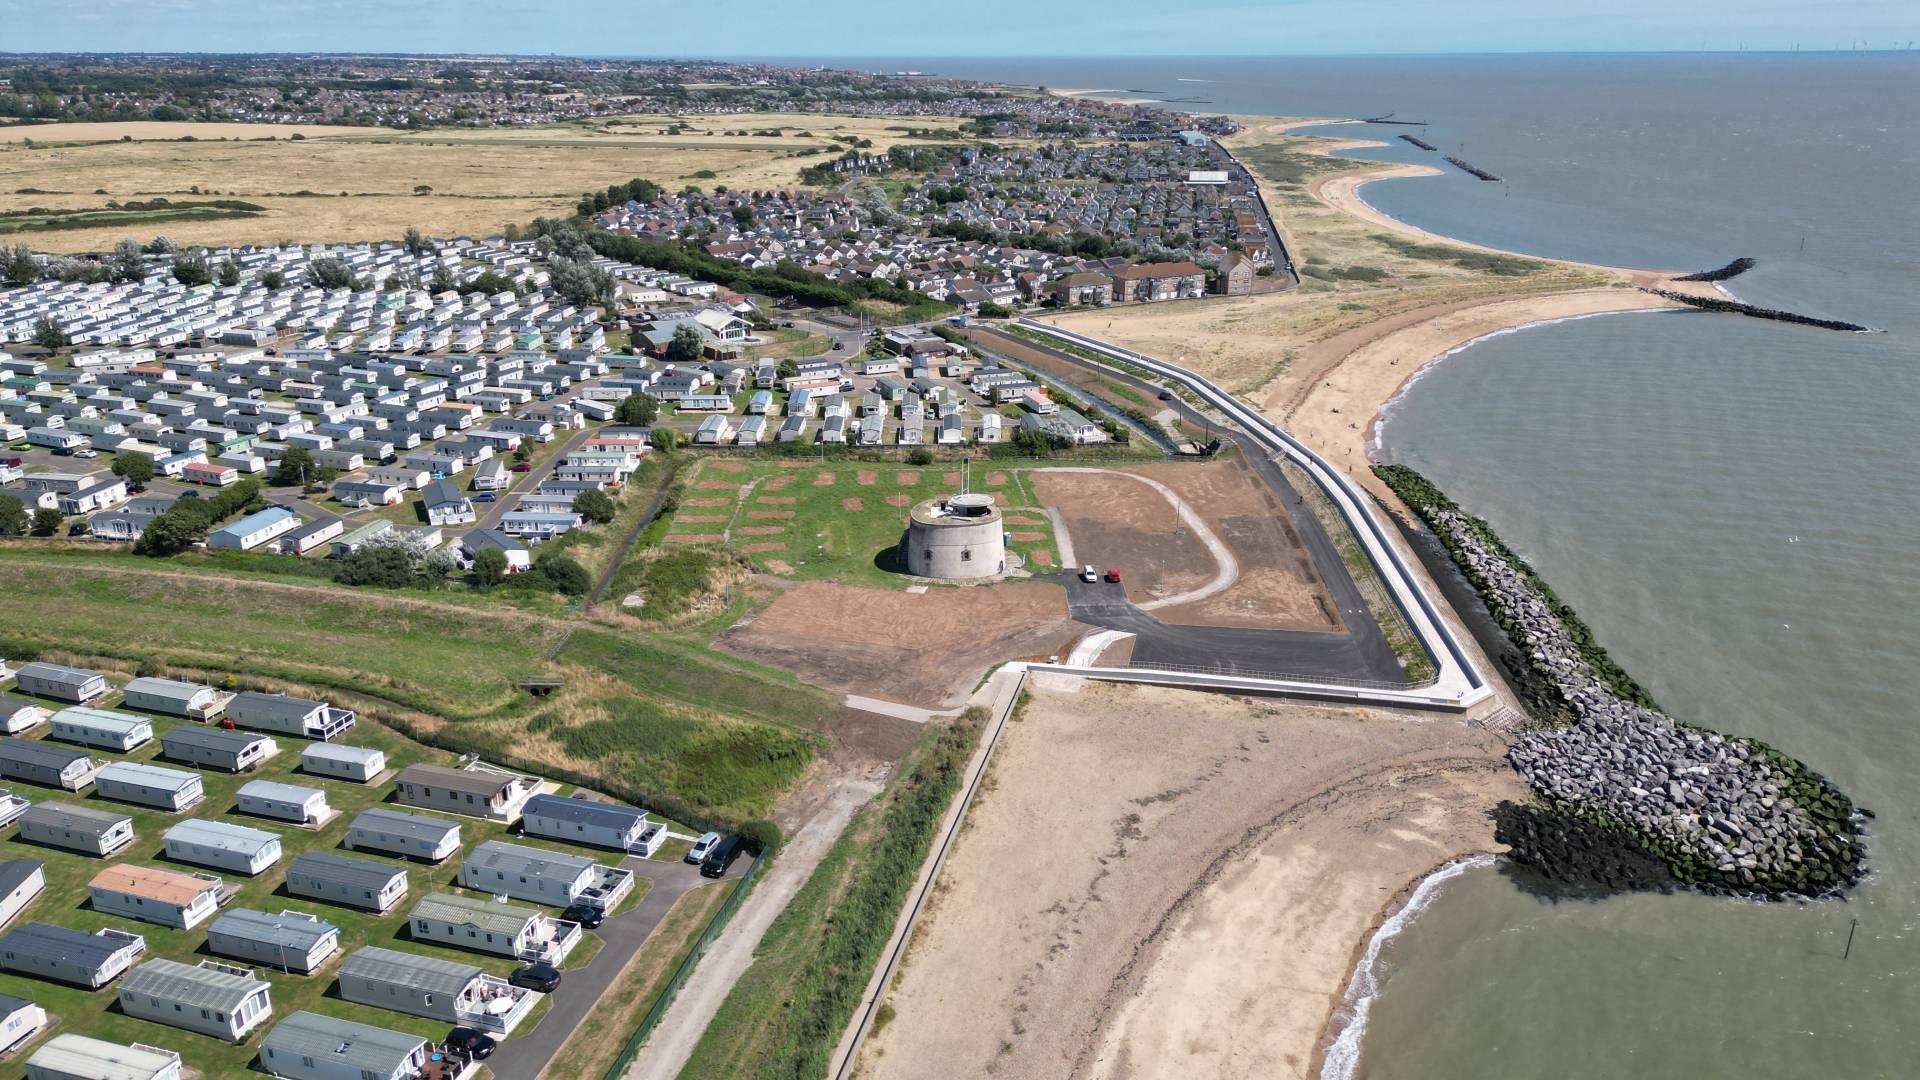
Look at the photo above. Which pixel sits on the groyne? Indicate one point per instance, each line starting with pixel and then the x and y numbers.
pixel 1732 270
pixel 1472 170
pixel 1419 142
pixel 1735 307
pixel 1724 814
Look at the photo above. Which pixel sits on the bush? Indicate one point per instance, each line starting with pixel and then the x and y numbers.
pixel 762 837
pixel 565 575
pixel 920 456
pixel 386 566
pixel 47 522
pixel 595 506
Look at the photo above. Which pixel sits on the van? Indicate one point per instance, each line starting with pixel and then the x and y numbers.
pixel 1088 573
pixel 721 857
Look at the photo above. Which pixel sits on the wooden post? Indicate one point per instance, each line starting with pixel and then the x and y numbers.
pixel 1850 929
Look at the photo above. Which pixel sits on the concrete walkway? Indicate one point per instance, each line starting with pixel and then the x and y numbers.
pixel 1227 568
pixel 898 711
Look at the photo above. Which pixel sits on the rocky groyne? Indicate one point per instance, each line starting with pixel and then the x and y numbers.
pixel 1419 142
pixel 1732 270
pixel 1472 170
pixel 1734 307
pixel 1723 813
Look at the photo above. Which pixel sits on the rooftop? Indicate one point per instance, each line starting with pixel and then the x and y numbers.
pixel 166 886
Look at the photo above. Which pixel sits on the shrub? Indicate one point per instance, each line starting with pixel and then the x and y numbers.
pixel 920 456
pixel 763 837
pixel 386 566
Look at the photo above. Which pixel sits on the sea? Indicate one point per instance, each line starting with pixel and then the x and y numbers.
pixel 1732 504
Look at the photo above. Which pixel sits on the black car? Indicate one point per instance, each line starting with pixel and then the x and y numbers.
pixel 586 915
pixel 542 977
pixel 1166 395
pixel 477 1045
pixel 721 857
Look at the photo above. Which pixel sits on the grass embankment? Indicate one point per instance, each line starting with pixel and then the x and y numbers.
pixel 21 221
pixel 787 1013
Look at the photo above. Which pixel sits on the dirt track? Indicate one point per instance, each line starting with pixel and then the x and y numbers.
pixel 1116 520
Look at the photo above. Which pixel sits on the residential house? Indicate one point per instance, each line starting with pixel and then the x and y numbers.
pixel 77 828
pixel 446 504
pixel 291 941
pixel 484 925
pixel 309 1046
pixel 342 879
pixel 286 715
pixel 1159 281
pixel 210 998
pixel 223 845
pixel 217 748
pixel 396 833
pixel 1236 274
pixel 433 987
pixel 543 876
pixel 165 897
pixel 336 761
pixel 70 956
pixel 284 802
pixel 143 784
pixel 495 796
pixel 478 540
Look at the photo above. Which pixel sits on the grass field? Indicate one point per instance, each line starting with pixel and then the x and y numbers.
pixel 65 902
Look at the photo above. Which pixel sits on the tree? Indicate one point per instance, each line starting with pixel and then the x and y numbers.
pixel 414 241
pixel 162 245
pixel 489 567
pixel 596 506
pixel 47 522
pixel 297 467
pixel 664 439
pixel 920 456
pixel 638 410
pixel 169 534
pixel 331 273
pixel 566 576
pixel 19 268
pixel 47 333
pixel 743 217
pixel 272 279
pixel 386 566
pixel 442 281
pixel 229 274
pixel 136 469
pixel 686 344
pixel 192 269
pixel 787 369
pixel 129 262
pixel 990 310
pixel 13 516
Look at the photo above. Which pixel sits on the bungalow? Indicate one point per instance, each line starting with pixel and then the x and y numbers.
pixel 495 796
pixel 17 714
pixel 254 530
pixel 210 998
pixel 43 763
pixel 101 727
pixel 309 1046
pixel 310 536
pixel 484 925
pixel 473 543
pixel 149 785
pixel 213 475
pixel 340 879
pixel 20 881
pixel 414 836
pixel 20 1020
pixel 288 715
pixel 232 751
pixel 79 1057
pixel 223 846
pixel 585 821
pixel 491 475
pixel 69 956
pixel 543 876
pixel 356 492
pixel 172 697
pixel 166 897
pixel 291 941
pixel 435 988
pixel 61 682
pixel 284 802
pixel 447 505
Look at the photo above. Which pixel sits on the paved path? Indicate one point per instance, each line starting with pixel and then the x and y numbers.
pixel 896 710
pixel 521 1057
pixel 530 481
pixel 728 958
pixel 1227 568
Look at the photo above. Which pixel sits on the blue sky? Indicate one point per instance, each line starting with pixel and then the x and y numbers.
pixel 923 28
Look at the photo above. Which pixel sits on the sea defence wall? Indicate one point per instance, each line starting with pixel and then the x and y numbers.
pixel 1472 170
pixel 1419 142
pixel 1724 814
pixel 1732 270
pixel 1734 307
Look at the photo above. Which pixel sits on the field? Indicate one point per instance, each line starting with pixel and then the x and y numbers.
pixel 339 184
pixel 65 902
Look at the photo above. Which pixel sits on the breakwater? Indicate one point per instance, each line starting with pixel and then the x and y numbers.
pixel 1419 142
pixel 1471 170
pixel 1732 270
pixel 1735 307
pixel 1724 814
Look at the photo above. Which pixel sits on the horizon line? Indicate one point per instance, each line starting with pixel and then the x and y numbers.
pixel 770 57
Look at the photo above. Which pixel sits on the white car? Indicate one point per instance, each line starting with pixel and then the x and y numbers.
pixel 86 453
pixel 702 846
pixel 1088 573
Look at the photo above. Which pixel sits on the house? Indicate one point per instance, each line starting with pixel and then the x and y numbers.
pixel 543 876
pixel 17 714
pixel 1236 275
pixel 166 897
pixel 359 764
pixel 395 833
pixel 446 504
pixel 290 941
pixel 101 727
pixel 143 784
pixel 211 998
pixel 20 881
pixel 491 475
pixel 20 1020
pixel 341 879
pixel 69 956
pixel 77 828
pixel 284 802
pixel 309 1046
pixel 435 988
pixel 473 543
pixel 43 763
pixel 60 682
pixel 79 1057
pixel 171 697
pixel 288 715
pixel 223 846
pixel 254 530
pixel 217 748
pixel 1159 281
pixel 310 536
pixel 495 796
pixel 585 821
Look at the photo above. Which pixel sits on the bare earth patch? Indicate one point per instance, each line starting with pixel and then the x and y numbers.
pixel 760 530
pixel 698 519
pixel 725 465
pixel 1041 557
pixel 705 501
pixel 852 504
pixel 1028 537
pixel 776 566
pixel 899 500
pixel 906 477
pixel 775 500
pixel 1012 519
pixel 779 514
pixel 996 479
pixel 765 545
pixel 1117 520
pixel 718 485
pixel 866 477
pixel 826 479
pixel 694 538
pixel 950 478
pixel 778 482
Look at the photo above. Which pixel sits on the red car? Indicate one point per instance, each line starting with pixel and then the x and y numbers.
pixel 522 466
pixel 1113 577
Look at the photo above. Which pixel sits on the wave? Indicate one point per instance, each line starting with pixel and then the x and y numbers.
pixel 1343 1056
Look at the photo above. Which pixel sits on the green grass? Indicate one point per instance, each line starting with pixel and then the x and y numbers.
pixel 1486 261
pixel 129 219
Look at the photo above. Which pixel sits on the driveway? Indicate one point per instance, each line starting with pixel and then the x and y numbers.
pixel 530 481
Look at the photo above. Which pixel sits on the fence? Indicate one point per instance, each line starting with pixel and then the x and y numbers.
pixel 1278 676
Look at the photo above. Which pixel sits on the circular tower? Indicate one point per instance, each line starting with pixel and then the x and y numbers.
pixel 955 538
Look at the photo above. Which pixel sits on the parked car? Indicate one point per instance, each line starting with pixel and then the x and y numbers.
pixel 482 496
pixel 1166 395
pixel 718 860
pixel 476 1044
pixel 701 846
pixel 788 325
pixel 586 915
pixel 86 452
pixel 521 466
pixel 838 345
pixel 1088 573
pixel 542 977
pixel 1113 577
pixel 13 461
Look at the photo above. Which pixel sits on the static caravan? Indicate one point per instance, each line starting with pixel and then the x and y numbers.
pixel 284 802
pixel 11 807
pixel 150 894
pixel 101 727
pixel 288 715
pixel 17 714
pixel 309 1046
pixel 210 998
pixel 223 845
pixel 171 697
pixel 70 956
pixel 482 925
pixel 543 876
pixel 474 792
pixel 415 836
pixel 77 828
pixel 291 941
pixel 336 761
pixel 341 879
pixel 149 785
pixel 20 881
pixel 583 821
pixel 60 682
pixel 215 748
pixel 20 1020
pixel 79 1057
pixel 44 763
pixel 435 988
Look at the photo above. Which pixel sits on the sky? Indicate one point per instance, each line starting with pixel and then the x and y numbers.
pixel 924 28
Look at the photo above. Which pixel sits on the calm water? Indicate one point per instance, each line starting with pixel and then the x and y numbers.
pixel 1730 504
